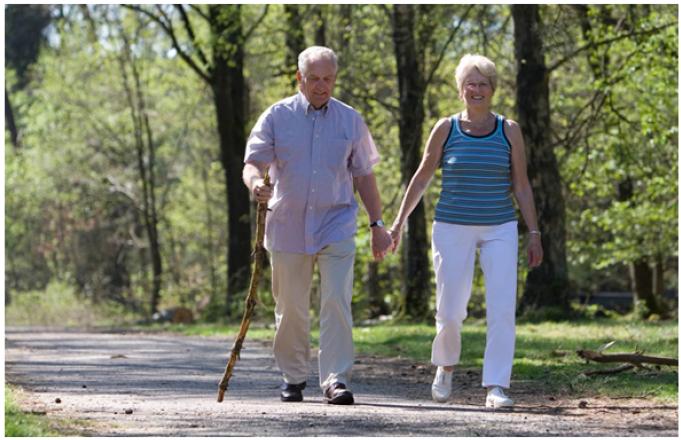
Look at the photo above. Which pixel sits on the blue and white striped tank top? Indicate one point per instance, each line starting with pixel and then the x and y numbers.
pixel 476 178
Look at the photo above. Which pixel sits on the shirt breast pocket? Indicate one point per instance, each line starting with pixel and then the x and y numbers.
pixel 337 153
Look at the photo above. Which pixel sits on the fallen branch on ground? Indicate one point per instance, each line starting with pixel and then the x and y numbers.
pixel 609 371
pixel 631 358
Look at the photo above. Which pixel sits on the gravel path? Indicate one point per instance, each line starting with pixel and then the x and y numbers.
pixel 142 384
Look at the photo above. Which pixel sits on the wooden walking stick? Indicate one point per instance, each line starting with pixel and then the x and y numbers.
pixel 252 298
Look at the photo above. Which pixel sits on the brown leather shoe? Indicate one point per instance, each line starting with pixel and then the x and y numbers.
pixel 292 392
pixel 338 394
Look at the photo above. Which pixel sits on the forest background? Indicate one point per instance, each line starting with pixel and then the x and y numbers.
pixel 126 128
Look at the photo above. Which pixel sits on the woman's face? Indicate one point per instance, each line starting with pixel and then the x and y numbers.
pixel 476 90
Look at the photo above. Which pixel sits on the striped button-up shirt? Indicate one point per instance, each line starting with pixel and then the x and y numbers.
pixel 313 156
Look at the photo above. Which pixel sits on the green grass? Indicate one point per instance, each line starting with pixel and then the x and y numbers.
pixel 545 352
pixel 21 424
pixel 59 306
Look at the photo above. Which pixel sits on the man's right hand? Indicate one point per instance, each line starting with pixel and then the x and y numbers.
pixel 261 193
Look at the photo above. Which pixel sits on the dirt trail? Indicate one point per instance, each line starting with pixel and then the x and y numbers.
pixel 168 385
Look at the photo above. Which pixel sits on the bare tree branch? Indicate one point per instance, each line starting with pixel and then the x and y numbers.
pixel 632 358
pixel 444 48
pixel 199 11
pixel 592 45
pixel 247 35
pixel 170 31
pixel 190 31
pixel 616 370
pixel 366 97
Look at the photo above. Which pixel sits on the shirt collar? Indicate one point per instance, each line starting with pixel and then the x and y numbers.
pixel 307 107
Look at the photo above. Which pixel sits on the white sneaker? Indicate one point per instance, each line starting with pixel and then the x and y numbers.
pixel 442 385
pixel 497 399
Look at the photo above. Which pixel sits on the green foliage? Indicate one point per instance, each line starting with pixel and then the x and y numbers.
pixel 73 191
pixel 620 174
pixel 60 305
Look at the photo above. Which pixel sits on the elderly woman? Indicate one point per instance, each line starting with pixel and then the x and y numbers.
pixel 483 160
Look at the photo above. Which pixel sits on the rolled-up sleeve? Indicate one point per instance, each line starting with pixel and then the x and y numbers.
pixel 260 145
pixel 364 153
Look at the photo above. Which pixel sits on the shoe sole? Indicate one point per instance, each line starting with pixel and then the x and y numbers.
pixel 286 399
pixel 343 399
pixel 491 404
pixel 440 399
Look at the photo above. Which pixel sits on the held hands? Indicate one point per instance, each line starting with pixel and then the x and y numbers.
pixel 535 253
pixel 396 235
pixel 381 242
pixel 261 193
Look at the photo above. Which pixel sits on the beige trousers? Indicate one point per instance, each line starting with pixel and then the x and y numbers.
pixel 291 282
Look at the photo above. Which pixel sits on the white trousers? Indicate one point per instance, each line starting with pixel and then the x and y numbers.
pixel 291 282
pixel 454 248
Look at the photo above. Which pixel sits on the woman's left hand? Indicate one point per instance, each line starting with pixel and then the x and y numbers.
pixel 535 253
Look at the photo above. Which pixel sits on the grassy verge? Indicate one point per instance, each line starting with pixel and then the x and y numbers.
pixel 545 352
pixel 22 424
pixel 59 306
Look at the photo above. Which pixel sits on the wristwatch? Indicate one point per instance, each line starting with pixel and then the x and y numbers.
pixel 378 223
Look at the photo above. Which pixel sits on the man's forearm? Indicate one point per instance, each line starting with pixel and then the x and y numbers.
pixel 368 192
pixel 251 172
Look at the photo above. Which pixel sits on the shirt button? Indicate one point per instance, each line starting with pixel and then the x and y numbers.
pixel 312 189
pixel 314 172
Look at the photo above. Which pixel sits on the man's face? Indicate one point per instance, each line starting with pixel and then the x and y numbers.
pixel 318 82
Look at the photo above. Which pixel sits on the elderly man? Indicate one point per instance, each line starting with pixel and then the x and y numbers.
pixel 315 147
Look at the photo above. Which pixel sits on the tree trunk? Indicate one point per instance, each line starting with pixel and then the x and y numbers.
pixel 209 235
pixel 228 92
pixel 658 277
pixel 645 303
pixel 343 50
pixel 377 305
pixel 146 158
pixel 658 286
pixel 152 222
pixel 546 285
pixel 320 26
pixel 11 123
pixel 410 73
pixel 294 39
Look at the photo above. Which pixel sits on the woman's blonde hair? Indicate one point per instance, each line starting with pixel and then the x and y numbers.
pixel 483 64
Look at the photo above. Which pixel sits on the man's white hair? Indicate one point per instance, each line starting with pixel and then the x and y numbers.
pixel 314 53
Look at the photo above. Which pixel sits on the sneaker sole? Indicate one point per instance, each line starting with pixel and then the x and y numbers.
pixel 491 404
pixel 440 399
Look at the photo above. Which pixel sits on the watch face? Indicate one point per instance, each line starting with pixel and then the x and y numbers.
pixel 378 223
